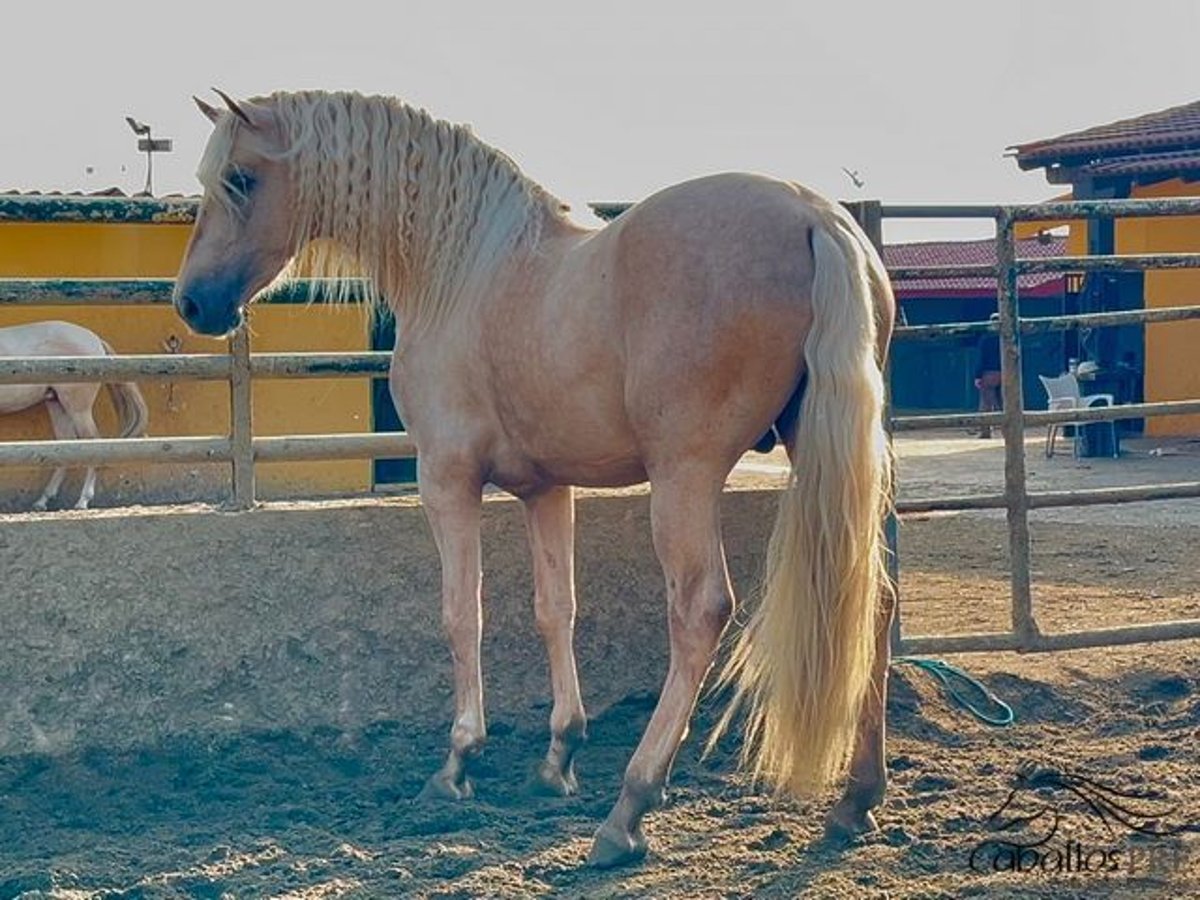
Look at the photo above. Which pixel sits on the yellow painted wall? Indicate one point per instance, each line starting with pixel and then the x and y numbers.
pixel 298 406
pixel 1172 361
pixel 1172 367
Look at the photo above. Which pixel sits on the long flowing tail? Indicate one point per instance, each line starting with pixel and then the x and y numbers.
pixel 801 667
pixel 129 403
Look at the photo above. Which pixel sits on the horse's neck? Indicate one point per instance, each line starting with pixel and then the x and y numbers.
pixel 453 258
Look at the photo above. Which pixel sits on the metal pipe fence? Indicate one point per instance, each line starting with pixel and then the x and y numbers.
pixel 1025 634
pixel 239 367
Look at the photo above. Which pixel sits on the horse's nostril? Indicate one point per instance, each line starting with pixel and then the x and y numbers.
pixel 188 308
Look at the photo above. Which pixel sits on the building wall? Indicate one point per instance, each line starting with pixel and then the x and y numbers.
pixel 1169 360
pixel 939 375
pixel 1172 365
pixel 68 250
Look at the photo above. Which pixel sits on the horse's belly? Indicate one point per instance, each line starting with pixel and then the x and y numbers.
pixel 616 472
pixel 528 470
pixel 16 397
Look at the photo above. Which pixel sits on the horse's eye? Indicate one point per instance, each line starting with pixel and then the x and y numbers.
pixel 240 182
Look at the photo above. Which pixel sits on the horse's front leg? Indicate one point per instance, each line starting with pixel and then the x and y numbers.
pixel 550 518
pixel 452 506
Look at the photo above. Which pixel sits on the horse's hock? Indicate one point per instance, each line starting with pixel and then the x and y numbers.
pixel 122 630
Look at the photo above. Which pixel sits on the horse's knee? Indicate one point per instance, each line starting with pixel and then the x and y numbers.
pixel 705 611
pixel 552 611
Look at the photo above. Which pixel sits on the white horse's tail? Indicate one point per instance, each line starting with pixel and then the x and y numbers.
pixel 802 665
pixel 129 403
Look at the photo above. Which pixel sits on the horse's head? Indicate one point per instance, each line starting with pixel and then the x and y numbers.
pixel 242 239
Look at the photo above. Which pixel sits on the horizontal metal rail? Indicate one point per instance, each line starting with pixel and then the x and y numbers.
pixel 941 273
pixel 1064 211
pixel 284 448
pixel 1110 319
pixel 189 367
pixel 105 451
pixel 1112 413
pixel 92 291
pixel 320 365
pixel 1051 323
pixel 940 211
pixel 146 367
pixel 1180 490
pixel 334 446
pixel 1051 417
pixel 1114 263
pixel 1042 643
pixel 1051 264
pixel 142 291
pixel 128 210
pixel 1070 210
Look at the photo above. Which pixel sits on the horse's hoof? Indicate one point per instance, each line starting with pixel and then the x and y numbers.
pixel 550 781
pixel 439 787
pixel 843 828
pixel 612 847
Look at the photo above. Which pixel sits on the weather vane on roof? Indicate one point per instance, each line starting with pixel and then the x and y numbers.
pixel 149 145
pixel 854 177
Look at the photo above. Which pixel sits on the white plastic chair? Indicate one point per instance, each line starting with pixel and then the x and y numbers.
pixel 1063 393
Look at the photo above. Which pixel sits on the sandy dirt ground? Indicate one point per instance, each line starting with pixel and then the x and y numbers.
pixel 322 815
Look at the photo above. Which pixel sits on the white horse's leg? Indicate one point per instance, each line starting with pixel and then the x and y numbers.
pixel 85 427
pixel 453 510
pixel 687 538
pixel 550 518
pixel 63 431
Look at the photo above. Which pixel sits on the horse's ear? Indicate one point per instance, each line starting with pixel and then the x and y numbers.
pixel 234 107
pixel 210 112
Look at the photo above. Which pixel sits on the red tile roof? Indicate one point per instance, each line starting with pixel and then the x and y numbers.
pixel 972 253
pixel 1161 143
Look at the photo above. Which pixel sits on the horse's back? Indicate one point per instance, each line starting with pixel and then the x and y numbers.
pixel 49 338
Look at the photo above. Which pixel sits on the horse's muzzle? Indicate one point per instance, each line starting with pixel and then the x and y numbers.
pixel 209 312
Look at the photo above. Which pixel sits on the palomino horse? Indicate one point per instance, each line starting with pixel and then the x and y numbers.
pixel 536 354
pixel 70 405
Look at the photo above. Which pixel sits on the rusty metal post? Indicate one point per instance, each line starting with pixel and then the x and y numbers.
pixel 1015 488
pixel 241 418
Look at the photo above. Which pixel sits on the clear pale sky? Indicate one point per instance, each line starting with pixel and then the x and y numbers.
pixel 611 100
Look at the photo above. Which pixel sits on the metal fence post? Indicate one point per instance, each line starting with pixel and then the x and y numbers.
pixel 1015 489
pixel 241 418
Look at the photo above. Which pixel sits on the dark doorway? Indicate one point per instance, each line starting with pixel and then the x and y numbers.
pixel 383 410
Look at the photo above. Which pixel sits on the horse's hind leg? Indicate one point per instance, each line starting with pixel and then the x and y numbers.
pixel 453 510
pixel 550 518
pixel 63 431
pixel 687 539
pixel 77 402
pixel 851 816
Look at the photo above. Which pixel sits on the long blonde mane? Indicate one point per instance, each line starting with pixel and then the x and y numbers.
pixel 421 206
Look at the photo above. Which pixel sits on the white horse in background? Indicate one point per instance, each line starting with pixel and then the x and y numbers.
pixel 70 405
